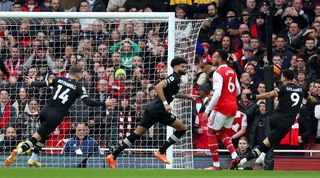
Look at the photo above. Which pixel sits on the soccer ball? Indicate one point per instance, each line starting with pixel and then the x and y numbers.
pixel 25 152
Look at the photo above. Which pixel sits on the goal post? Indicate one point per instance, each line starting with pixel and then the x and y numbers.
pixel 157 37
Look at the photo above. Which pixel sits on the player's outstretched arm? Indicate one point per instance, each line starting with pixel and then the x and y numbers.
pixel 32 82
pixel 189 97
pixel 267 95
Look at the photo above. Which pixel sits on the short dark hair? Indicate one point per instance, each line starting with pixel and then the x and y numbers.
pixel 288 74
pixel 277 54
pixel 282 36
pixel 223 54
pixel 75 69
pixel 177 61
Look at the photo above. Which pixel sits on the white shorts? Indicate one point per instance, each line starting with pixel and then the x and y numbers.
pixel 217 120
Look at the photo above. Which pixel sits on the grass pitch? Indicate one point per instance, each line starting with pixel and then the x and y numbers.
pixel 147 173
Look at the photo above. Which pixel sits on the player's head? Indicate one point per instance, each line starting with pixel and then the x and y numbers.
pixel 287 75
pixel 75 72
pixel 220 57
pixel 179 65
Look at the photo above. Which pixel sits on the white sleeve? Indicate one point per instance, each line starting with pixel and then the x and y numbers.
pixel 238 87
pixel 244 122
pixel 217 87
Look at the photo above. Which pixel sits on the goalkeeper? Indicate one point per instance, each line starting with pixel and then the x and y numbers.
pixel 159 110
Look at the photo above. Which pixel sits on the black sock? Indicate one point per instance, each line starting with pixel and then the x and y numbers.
pixel 29 144
pixel 263 148
pixel 38 147
pixel 173 139
pixel 255 153
pixel 127 142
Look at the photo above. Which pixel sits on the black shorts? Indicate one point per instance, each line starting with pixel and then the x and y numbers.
pixel 280 126
pixel 49 120
pixel 280 122
pixel 149 118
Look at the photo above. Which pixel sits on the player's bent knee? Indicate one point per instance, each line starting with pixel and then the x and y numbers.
pixel 139 130
pixel 38 136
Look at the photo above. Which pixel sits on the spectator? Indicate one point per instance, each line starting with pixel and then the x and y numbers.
pixel 24 36
pixel 309 47
pixel 16 6
pixel 114 37
pixel 293 62
pixel 180 12
pixel 259 27
pixel 226 44
pixel 245 81
pixel 216 40
pixel 10 140
pixel 243 147
pixel 139 4
pixel 40 58
pixel 281 48
pixel 59 69
pixel 246 106
pixel 21 103
pixel 52 6
pixel 257 51
pixel 76 34
pixel 8 113
pixel 96 33
pixel 12 64
pixel 85 49
pixel 28 121
pixel 97 6
pixel 6 5
pixel 239 127
pixel 114 4
pixel 261 88
pixel 128 49
pixel 84 7
pixel 31 6
pixel 60 42
pixel 314 62
pixel 124 117
pixel 81 143
pixel 295 35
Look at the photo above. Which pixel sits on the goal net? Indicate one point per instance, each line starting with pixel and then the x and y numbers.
pixel 123 55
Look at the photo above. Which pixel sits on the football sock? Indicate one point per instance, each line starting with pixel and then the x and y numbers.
pixel 226 140
pixel 173 139
pixel 38 147
pixel 27 145
pixel 213 146
pixel 127 142
pixel 216 164
pixel 263 148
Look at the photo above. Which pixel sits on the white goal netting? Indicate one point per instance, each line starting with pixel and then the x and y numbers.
pixel 121 58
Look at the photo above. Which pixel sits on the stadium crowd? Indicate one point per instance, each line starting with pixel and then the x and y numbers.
pixel 124 59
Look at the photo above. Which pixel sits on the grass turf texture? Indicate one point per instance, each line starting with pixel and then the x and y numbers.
pixel 146 173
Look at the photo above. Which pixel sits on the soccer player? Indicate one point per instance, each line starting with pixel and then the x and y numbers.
pixel 65 92
pixel 223 108
pixel 159 110
pixel 290 98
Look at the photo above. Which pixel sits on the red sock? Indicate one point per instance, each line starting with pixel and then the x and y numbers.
pixel 213 146
pixel 226 140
